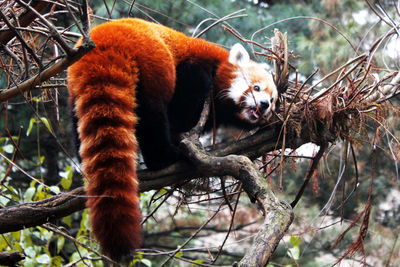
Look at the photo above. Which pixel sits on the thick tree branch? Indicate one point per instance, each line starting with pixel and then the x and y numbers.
pixel 37 213
pixel 10 258
pixel 20 216
pixel 278 215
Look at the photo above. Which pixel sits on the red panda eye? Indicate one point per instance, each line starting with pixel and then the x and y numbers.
pixel 256 88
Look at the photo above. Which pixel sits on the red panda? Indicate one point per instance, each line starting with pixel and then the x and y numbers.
pixel 144 84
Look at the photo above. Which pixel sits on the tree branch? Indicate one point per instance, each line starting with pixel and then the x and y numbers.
pixel 24 20
pixel 21 216
pixel 10 258
pixel 278 215
pixel 37 213
pixel 51 71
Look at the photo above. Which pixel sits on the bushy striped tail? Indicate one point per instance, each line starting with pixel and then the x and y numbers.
pixel 102 85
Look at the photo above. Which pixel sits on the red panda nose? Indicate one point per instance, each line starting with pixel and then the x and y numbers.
pixel 264 105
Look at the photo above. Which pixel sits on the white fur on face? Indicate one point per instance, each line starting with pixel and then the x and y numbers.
pixel 241 91
pixel 238 87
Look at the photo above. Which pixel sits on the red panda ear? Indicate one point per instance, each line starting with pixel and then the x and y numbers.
pixel 239 56
pixel 265 66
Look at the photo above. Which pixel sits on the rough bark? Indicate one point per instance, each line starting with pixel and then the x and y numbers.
pixel 10 258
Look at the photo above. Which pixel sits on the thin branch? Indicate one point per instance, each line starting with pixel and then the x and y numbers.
pixel 358 60
pixel 192 236
pixel 24 20
pixel 310 173
pixel 53 31
pixel 56 230
pixel 46 74
pixel 21 39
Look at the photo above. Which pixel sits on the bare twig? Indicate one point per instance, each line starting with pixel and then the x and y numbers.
pixel 46 74
pixel 24 20
pixel 53 31
pixel 21 39
pixel 310 172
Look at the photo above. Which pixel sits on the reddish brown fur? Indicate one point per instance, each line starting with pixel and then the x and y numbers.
pixel 102 88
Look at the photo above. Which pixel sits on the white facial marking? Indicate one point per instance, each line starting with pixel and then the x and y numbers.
pixel 237 89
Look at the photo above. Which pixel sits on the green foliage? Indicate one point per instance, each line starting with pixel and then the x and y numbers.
pixel 294 251
pixel 66 177
pixel 34 121
pixel 139 259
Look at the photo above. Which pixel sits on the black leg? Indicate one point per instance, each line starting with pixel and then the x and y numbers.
pixel 193 84
pixel 154 137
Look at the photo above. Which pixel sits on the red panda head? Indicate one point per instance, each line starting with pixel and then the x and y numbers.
pixel 251 87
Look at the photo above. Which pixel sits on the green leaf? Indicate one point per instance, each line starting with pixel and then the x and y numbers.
pixel 4 201
pixel 85 219
pixel 8 148
pixel 133 262
pixel 45 234
pixel 30 252
pixel 31 122
pixel 17 246
pixel 139 256
pixel 294 253
pixel 65 183
pixel 66 180
pixel 56 261
pixel 43 259
pixel 29 193
pixel 40 194
pixel 46 122
pixel 14 191
pixel 16 235
pixel 27 240
pixel 68 172
pixel 179 254
pixel 295 241
pixel 75 256
pixel 162 191
pixel 41 159
pixel 84 225
pixel 3 243
pixel 196 261
pixel 67 221
pixel 29 263
pixel 146 262
pixel 55 189
pixel 60 243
